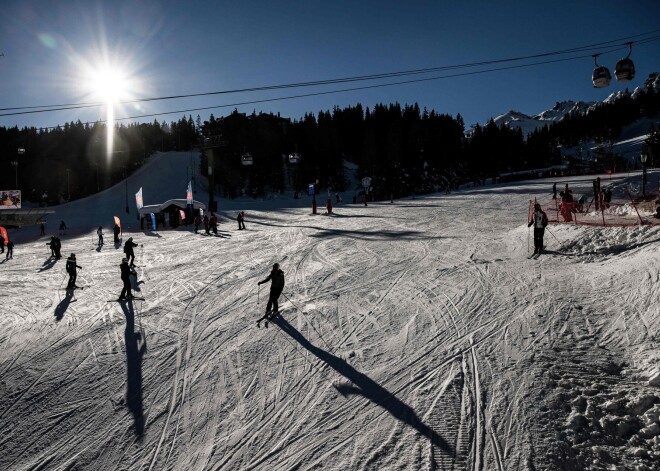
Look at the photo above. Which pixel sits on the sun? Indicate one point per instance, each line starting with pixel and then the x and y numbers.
pixel 108 84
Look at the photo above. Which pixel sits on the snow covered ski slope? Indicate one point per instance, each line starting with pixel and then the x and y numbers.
pixel 413 335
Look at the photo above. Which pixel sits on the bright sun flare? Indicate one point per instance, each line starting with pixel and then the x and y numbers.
pixel 109 85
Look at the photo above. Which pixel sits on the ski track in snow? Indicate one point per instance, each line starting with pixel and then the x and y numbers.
pixel 413 335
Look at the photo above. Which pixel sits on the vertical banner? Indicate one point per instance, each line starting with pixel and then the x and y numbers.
pixel 138 199
pixel 182 213
pixel 118 223
pixel 5 237
pixel 189 194
pixel 153 221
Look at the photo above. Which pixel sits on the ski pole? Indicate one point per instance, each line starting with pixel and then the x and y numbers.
pixel 258 289
pixel 553 235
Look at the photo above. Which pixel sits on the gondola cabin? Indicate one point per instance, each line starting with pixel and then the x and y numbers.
pixel 624 71
pixel 246 159
pixel 601 77
pixel 294 158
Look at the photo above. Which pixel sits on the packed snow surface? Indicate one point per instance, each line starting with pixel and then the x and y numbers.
pixel 414 335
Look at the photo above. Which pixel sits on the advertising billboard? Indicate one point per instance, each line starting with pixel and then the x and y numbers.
pixel 11 199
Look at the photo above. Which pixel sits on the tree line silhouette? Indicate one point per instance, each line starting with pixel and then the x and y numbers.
pixel 404 149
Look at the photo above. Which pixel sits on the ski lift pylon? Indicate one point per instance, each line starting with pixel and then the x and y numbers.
pixel 601 77
pixel 624 71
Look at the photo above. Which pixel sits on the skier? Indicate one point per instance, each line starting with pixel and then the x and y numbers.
pixel 10 250
pixel 126 279
pixel 99 232
pixel 62 227
pixel 71 270
pixel 197 221
pixel 128 250
pixel 539 220
pixel 214 223
pixel 116 230
pixel 241 220
pixel 42 230
pixel 55 246
pixel 276 279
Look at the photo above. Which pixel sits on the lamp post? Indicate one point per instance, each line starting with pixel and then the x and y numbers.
pixel 20 151
pixel 644 156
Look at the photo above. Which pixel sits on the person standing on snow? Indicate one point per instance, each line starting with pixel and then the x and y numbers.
pixel 10 250
pixel 276 279
pixel 116 231
pixel 71 270
pixel 539 221
pixel 128 250
pixel 99 232
pixel 241 220
pixel 126 279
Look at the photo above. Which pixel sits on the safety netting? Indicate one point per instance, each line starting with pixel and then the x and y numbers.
pixel 624 205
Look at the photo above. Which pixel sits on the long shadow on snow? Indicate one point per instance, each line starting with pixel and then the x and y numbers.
pixel 373 235
pixel 48 264
pixel 63 305
pixel 134 353
pixel 365 386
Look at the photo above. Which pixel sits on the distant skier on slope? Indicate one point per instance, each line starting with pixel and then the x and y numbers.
pixel 55 247
pixel 241 220
pixel 539 221
pixel 116 231
pixel 10 250
pixel 276 279
pixel 71 270
pixel 99 232
pixel 126 279
pixel 128 250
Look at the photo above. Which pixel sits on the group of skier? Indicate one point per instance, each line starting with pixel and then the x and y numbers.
pixel 126 267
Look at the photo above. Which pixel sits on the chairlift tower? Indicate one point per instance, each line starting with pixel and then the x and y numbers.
pixel 209 145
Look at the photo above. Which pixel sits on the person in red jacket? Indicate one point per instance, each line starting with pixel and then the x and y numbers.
pixel 539 220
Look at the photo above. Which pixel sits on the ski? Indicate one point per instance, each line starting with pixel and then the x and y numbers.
pixel 129 299
pixel 76 287
pixel 269 316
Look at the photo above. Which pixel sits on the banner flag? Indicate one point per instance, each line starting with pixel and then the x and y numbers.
pixel 3 231
pixel 138 199
pixel 153 221
pixel 182 214
pixel 189 194
pixel 118 222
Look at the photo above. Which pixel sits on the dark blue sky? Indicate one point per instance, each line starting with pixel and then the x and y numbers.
pixel 167 48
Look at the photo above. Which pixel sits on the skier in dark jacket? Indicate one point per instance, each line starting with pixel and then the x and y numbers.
pixel 128 250
pixel 539 221
pixel 99 232
pixel 241 220
pixel 126 279
pixel 116 230
pixel 276 279
pixel 55 246
pixel 71 270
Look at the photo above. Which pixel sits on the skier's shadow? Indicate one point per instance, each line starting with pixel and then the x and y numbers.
pixel 365 386
pixel 63 305
pixel 134 353
pixel 48 264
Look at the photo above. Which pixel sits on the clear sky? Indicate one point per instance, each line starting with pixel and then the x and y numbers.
pixel 155 48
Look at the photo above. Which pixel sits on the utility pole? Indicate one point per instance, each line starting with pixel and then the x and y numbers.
pixel 209 144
